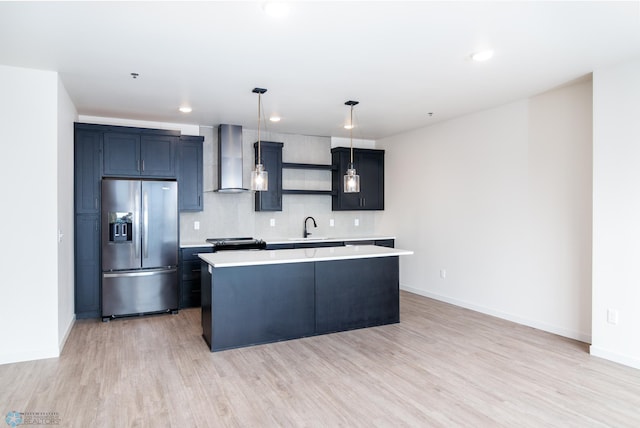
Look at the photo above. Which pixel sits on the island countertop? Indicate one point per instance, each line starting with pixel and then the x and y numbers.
pixel 298 255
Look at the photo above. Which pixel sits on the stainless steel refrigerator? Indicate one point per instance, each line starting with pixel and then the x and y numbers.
pixel 139 247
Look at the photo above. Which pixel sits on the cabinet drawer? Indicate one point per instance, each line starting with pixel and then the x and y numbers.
pixel 318 244
pixel 191 271
pixel 191 253
pixel 280 246
pixel 190 294
pixel 360 242
pixel 386 243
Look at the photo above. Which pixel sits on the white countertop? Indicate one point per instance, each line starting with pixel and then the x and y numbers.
pixel 195 244
pixel 300 255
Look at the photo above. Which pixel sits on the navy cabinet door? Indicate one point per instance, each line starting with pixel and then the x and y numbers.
pixel 158 156
pixel 371 170
pixel 341 201
pixel 369 166
pixel 190 173
pixel 87 281
pixel 132 155
pixel 271 153
pixel 190 276
pixel 121 154
pixel 356 293
pixel 250 305
pixel 87 151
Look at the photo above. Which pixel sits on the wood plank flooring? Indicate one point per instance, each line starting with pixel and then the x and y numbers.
pixel 442 366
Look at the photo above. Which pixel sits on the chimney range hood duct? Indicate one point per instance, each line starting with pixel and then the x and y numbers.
pixel 230 159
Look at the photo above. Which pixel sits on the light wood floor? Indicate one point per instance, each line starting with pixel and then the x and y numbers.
pixel 442 366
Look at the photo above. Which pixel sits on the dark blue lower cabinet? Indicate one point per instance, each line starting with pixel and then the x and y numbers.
pixel 250 305
pixel 356 293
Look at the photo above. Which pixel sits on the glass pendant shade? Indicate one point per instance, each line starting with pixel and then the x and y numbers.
pixel 351 181
pixel 259 179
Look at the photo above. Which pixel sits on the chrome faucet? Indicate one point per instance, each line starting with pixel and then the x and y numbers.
pixel 305 233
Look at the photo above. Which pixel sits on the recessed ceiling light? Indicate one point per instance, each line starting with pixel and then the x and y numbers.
pixel 274 118
pixel 347 126
pixel 482 55
pixel 276 9
pixel 185 109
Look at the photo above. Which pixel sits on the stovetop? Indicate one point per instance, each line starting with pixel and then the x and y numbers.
pixel 244 243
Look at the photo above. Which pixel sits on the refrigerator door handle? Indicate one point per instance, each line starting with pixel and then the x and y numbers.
pixel 138 273
pixel 136 228
pixel 145 222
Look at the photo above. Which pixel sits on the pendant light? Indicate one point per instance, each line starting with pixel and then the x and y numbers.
pixel 259 177
pixel 351 179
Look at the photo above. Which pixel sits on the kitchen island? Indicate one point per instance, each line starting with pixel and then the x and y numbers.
pixel 255 297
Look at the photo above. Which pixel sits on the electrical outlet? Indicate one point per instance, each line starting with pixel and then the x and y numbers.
pixel 196 225
pixel 272 222
pixel 443 273
pixel 612 316
pixel 331 222
pixel 356 222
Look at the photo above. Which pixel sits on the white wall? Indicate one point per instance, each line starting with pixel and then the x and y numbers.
pixel 28 171
pixel 616 213
pixel 346 142
pixel 185 129
pixel 502 205
pixel 66 312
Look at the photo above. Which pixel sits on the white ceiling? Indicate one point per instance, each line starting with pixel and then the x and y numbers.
pixel 401 60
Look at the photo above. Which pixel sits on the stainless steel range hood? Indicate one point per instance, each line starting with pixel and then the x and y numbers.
pixel 230 159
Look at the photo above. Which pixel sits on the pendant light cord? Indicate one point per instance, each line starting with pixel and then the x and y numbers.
pixel 351 136
pixel 259 111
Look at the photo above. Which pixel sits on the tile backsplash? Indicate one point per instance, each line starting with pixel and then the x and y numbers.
pixel 233 215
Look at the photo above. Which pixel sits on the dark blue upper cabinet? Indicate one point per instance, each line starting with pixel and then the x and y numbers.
pixel 121 154
pixel 369 164
pixel 88 171
pixel 134 154
pixel 190 173
pixel 158 155
pixel 271 153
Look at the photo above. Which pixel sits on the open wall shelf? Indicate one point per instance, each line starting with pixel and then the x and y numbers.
pixel 309 166
pixel 291 165
pixel 306 192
